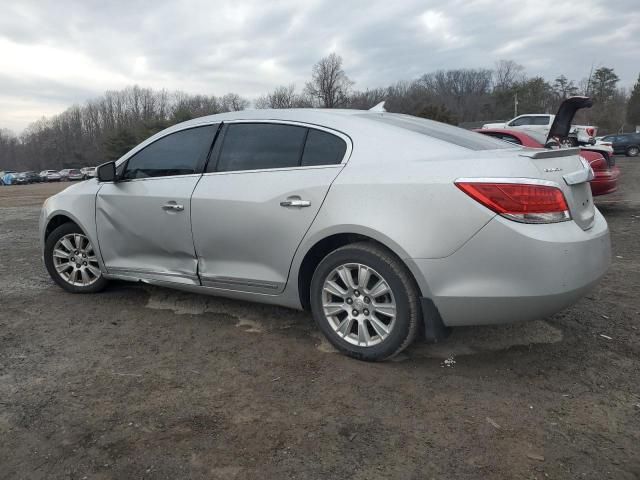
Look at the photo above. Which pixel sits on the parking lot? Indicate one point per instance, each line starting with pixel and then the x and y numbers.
pixel 146 382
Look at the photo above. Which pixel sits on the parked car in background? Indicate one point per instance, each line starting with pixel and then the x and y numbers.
pixel 383 225
pixel 70 175
pixel 50 176
pixel 7 177
pixel 27 177
pixel 541 124
pixel 88 172
pixel 624 143
pixel 605 171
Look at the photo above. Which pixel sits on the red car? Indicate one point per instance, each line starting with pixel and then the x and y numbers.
pixel 606 173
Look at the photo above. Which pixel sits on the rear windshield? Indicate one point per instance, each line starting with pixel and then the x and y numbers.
pixel 441 131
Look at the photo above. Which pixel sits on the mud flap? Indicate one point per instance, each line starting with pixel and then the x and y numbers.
pixel 434 329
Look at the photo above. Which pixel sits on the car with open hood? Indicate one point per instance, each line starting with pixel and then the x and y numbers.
pixel 385 226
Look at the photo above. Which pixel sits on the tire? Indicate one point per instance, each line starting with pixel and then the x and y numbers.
pixel 92 280
pixel 357 316
pixel 632 151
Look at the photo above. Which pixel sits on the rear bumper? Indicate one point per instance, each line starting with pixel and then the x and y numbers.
pixel 515 272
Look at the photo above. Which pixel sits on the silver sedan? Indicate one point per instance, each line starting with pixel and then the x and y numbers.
pixel 384 226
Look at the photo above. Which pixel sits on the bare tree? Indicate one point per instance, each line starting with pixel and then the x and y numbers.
pixel 284 96
pixel 506 74
pixel 232 102
pixel 329 85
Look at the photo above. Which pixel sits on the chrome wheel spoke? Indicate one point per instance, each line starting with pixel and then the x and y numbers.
pixel 86 280
pixel 334 289
pixel 60 253
pixel 345 276
pixel 387 309
pixel 364 274
pixel 379 289
pixel 363 334
pixel 333 308
pixel 344 327
pixel 380 328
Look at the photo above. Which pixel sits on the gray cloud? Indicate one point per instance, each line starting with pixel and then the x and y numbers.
pixel 55 53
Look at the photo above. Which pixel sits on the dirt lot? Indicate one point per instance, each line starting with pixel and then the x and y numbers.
pixel 144 382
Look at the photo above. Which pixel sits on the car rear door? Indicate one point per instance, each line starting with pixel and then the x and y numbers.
pixel 144 219
pixel 264 186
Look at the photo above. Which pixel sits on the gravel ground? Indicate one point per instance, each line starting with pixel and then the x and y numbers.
pixel 145 382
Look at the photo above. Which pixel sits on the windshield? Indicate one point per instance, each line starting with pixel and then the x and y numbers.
pixel 441 131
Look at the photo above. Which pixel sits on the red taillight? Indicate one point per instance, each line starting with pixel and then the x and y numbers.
pixel 522 202
pixel 591 131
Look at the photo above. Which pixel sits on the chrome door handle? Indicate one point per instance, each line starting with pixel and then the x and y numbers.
pixel 173 206
pixel 295 202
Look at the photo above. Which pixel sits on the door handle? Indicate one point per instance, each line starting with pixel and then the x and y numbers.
pixel 173 206
pixel 295 202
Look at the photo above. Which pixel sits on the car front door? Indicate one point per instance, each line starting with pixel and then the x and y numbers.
pixel 144 218
pixel 264 185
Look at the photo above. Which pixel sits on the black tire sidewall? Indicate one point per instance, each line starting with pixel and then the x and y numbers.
pixel 404 303
pixel 50 243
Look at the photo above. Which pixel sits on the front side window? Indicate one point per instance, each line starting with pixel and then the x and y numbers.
pixel 519 122
pixel 180 153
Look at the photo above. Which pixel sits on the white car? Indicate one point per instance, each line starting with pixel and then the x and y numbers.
pixel 539 124
pixel 88 172
pixel 50 176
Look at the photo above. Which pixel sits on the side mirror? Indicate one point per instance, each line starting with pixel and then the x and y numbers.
pixel 107 172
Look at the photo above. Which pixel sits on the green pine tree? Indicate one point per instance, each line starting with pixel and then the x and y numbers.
pixel 633 105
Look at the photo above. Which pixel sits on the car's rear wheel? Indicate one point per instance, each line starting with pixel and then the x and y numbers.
pixel 365 302
pixel 633 151
pixel 71 260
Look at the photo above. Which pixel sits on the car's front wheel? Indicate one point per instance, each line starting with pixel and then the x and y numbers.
pixel 71 260
pixel 365 302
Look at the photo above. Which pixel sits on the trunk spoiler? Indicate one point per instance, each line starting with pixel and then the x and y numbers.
pixel 562 123
pixel 560 152
pixel 573 178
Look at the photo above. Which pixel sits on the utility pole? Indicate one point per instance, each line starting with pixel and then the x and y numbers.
pixel 515 105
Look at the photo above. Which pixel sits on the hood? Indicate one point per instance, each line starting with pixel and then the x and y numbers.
pixel 564 117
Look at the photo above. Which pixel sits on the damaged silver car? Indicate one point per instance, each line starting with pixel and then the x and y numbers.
pixel 386 227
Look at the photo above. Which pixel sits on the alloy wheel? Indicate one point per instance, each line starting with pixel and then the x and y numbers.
pixel 75 260
pixel 359 304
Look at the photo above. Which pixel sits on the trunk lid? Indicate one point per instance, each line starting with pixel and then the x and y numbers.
pixel 572 174
pixel 561 125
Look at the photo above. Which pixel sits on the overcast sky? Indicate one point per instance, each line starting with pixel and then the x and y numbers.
pixel 56 53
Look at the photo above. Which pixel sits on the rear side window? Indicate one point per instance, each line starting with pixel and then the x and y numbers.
pixel 322 148
pixel 258 146
pixel 253 146
pixel 180 153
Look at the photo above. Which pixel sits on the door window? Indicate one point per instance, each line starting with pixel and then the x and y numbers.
pixel 252 146
pixel 180 153
pixel 540 121
pixel 257 146
pixel 519 122
pixel 322 148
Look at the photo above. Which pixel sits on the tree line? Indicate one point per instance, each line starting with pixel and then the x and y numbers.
pixel 107 127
